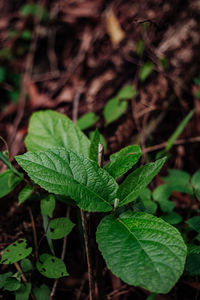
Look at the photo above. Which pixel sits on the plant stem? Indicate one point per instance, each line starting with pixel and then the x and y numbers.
pixel 88 231
pixel 23 277
pixel 34 233
pixel 100 155
pixel 89 255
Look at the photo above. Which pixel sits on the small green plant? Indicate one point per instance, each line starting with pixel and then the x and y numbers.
pixel 141 249
pixel 113 110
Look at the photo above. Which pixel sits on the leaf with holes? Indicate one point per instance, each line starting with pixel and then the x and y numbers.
pixel 122 161
pixel 51 266
pixel 49 129
pixel 67 173
pixel 15 252
pixel 142 250
pixel 60 227
pixel 134 183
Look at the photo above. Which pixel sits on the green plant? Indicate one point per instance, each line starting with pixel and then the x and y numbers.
pixel 141 249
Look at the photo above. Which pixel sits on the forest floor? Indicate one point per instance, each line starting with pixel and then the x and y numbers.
pixel 73 61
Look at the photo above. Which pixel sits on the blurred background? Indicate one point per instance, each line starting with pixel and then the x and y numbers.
pixel 129 68
pixel 74 56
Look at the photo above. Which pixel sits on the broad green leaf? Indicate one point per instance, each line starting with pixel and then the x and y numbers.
pixel 134 183
pixel 172 218
pixel 47 205
pixel 66 173
pixel 178 130
pixel 114 109
pixel 11 284
pixel 123 160
pixel 8 181
pixel 142 250
pixel 146 70
pixel 94 146
pixel 101 140
pixel 51 266
pixel 42 293
pixel 194 223
pixel 87 120
pixel 24 194
pixel 24 292
pixel 3 278
pixel 196 180
pixel 49 129
pixel 126 92
pixel 60 227
pixel 15 252
pixel 26 265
